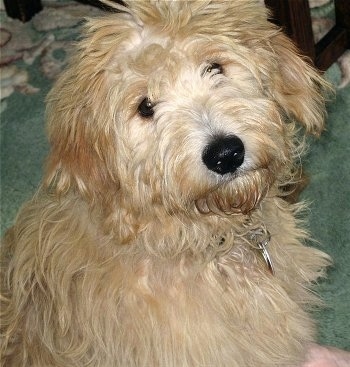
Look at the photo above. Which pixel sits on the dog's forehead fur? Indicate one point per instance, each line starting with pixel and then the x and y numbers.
pixel 154 40
pixel 178 24
pixel 240 18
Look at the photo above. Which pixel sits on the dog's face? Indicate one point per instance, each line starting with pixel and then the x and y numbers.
pixel 186 106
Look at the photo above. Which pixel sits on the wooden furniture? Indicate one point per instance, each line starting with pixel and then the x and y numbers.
pixel 22 9
pixel 292 15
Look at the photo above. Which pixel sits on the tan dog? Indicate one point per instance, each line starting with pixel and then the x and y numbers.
pixel 160 236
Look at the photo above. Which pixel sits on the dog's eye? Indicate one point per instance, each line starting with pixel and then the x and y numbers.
pixel 145 108
pixel 214 69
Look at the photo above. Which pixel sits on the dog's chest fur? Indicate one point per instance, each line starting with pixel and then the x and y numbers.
pixel 204 307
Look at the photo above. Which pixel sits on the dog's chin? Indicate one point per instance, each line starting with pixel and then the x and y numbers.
pixel 236 193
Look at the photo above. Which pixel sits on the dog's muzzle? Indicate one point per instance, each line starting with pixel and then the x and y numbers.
pixel 224 154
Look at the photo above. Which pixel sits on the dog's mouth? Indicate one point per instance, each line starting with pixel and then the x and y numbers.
pixel 237 192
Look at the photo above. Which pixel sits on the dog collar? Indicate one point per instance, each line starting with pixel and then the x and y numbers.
pixel 261 238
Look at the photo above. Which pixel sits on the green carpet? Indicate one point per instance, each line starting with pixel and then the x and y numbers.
pixel 328 164
pixel 24 146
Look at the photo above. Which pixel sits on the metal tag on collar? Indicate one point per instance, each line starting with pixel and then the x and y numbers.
pixel 262 247
pixel 261 236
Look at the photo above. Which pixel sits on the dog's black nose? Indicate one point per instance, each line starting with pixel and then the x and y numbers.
pixel 224 154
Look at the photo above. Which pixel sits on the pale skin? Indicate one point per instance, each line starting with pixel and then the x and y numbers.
pixel 321 356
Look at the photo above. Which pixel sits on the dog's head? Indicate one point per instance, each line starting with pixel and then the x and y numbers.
pixel 183 105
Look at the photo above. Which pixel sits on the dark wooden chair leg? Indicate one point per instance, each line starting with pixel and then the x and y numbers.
pixel 295 18
pixel 22 9
pixel 331 47
pixel 26 9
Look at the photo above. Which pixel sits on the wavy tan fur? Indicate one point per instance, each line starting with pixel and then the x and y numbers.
pixel 132 253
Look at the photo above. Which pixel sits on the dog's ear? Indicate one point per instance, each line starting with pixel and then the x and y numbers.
pixel 297 86
pixel 81 113
pixel 80 132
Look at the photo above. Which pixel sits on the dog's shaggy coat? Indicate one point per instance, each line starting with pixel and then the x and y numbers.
pixel 134 252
